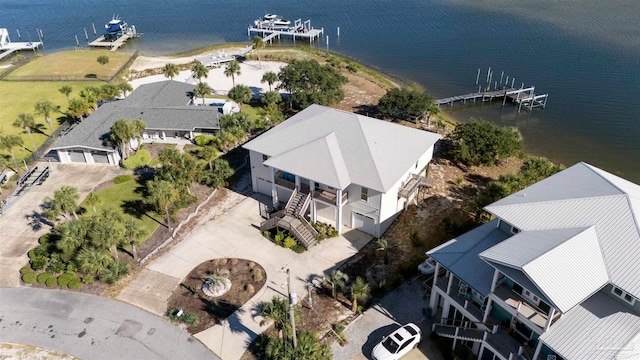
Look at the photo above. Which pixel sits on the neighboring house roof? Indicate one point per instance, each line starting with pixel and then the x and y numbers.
pixel 460 255
pixel 599 328
pixel 583 197
pixel 162 106
pixel 342 148
pixel 565 265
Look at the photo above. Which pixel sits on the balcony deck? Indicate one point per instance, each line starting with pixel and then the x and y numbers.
pixel 510 300
pixel 471 307
pixel 502 343
pixel 284 183
pixel 330 197
pixel 412 185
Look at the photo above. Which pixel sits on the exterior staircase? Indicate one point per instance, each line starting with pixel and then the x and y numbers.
pixel 292 219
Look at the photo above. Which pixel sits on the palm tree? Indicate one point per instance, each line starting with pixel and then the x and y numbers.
pixel 170 70
pixel 26 122
pixel 93 260
pixel 9 142
pixel 208 154
pixel 73 234
pixel 240 94
pixel 65 201
pixel 66 90
pixel 199 70
pixel 219 276
pixel 108 231
pixel 103 60
pixel 277 311
pixel 221 172
pixel 45 108
pixel 134 232
pixel 271 98
pixel 78 108
pixel 385 247
pixel 258 44
pixel 92 200
pixel 120 133
pixel 108 92
pixel 201 90
pixel 137 128
pixel 124 87
pixel 359 291
pixel 231 70
pixel 338 280
pixel 269 77
pixel 115 271
pixel 163 194
pixel 91 96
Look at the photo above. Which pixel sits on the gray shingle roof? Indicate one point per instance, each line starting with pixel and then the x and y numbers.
pixel 460 255
pixel 162 106
pixel 372 153
pixel 584 196
pixel 600 328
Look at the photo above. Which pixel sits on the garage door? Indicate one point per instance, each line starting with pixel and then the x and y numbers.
pixel 264 186
pixel 76 156
pixel 100 158
pixel 364 223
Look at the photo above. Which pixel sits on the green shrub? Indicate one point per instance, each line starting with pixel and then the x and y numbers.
pixel 74 284
pixel 203 140
pixel 51 282
pixel 122 179
pixel 29 277
pixel 38 262
pixel 43 277
pixel 140 159
pixel 279 238
pixel 25 269
pixel 65 279
pixel 288 242
pixel 190 319
pixel 297 248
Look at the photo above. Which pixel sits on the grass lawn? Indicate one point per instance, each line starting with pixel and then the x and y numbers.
pixel 21 96
pixel 73 65
pixel 126 198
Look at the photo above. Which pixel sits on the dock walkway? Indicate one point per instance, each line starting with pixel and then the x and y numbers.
pixel 522 97
pixel 7 47
pixel 215 60
pixel 302 30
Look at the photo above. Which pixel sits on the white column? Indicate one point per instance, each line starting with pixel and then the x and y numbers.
pixel 432 299
pixel 487 310
pixel 496 273
pixel 339 212
pixel 314 215
pixel 297 181
pixel 552 313
pixel 274 191
pixel 538 348
pixel 450 283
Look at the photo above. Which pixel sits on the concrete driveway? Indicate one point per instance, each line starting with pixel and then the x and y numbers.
pixel 401 306
pixel 91 327
pixel 19 228
pixel 236 234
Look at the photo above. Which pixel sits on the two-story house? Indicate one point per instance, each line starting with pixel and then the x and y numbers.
pixel 556 274
pixel 348 169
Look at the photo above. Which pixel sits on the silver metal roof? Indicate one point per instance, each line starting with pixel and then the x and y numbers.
pixel 600 328
pixel 373 153
pixel 566 265
pixel 460 255
pixel 583 196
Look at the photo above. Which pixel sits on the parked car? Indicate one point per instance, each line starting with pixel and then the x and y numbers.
pixel 398 344
pixel 428 266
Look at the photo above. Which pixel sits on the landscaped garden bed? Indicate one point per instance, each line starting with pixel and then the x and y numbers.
pixel 246 278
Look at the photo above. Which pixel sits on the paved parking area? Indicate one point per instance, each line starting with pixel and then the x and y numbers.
pixel 91 327
pixel 19 228
pixel 397 308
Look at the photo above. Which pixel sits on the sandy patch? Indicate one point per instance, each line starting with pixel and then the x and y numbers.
pixel 18 351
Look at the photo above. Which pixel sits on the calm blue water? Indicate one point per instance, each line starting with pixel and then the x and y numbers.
pixel 584 53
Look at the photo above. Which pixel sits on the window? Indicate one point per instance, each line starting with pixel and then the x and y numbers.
pixel 623 295
pixel 364 195
pixel 416 164
pixel 265 158
pixel 514 230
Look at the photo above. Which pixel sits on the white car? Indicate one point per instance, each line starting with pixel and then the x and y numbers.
pixel 428 266
pixel 398 344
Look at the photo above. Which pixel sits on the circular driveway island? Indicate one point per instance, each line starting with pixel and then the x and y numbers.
pixel 91 327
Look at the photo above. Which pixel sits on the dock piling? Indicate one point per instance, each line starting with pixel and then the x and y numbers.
pixel 19 37
pixel 86 35
pixel 338 31
pixel 478 78
pixel 501 75
pixel 94 29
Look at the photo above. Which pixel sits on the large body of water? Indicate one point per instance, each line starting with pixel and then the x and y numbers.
pixel 584 53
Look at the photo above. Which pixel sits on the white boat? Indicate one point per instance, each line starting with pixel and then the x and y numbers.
pixel 272 21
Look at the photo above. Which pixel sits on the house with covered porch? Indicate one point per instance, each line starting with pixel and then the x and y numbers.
pixel 341 168
pixel 555 275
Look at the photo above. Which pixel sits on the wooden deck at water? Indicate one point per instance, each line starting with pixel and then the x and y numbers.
pixel 269 34
pixel 114 45
pixel 522 97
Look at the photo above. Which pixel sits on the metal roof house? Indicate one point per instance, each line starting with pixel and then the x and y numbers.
pixel 556 274
pixel 347 169
pixel 166 107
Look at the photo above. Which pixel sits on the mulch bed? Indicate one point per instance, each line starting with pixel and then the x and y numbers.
pixel 210 311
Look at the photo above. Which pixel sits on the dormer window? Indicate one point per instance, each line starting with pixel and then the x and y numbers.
pixel 628 298
pixel 514 230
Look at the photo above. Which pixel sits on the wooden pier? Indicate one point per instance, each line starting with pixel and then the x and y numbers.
pixel 300 30
pixel 7 47
pixel 114 45
pixel 215 60
pixel 523 96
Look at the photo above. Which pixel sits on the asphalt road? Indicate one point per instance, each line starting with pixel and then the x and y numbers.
pixel 91 327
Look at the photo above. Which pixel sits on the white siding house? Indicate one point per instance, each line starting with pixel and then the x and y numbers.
pixel 360 172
